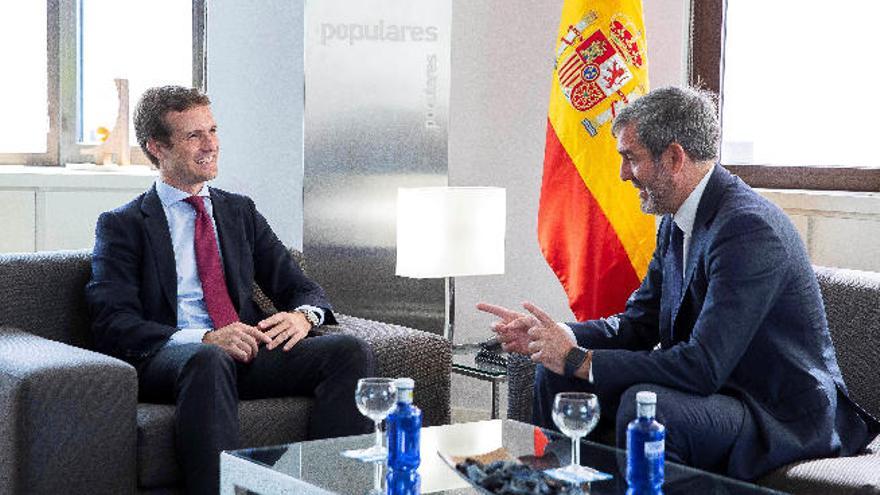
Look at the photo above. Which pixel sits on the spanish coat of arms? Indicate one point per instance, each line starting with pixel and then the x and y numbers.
pixel 593 67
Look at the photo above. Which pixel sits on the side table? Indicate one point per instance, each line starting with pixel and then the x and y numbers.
pixel 464 363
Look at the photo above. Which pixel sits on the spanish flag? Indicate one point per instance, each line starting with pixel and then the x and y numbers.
pixel 590 226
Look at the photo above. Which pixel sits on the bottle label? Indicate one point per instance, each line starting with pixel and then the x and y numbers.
pixel 654 449
pixel 405 395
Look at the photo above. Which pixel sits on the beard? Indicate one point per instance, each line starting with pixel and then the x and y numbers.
pixel 656 199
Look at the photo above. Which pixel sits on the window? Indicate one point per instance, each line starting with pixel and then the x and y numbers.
pixel 67 53
pixel 796 103
pixel 24 121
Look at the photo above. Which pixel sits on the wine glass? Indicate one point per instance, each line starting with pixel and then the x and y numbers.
pixel 375 399
pixel 576 414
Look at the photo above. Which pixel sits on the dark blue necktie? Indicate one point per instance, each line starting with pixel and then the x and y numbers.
pixel 676 249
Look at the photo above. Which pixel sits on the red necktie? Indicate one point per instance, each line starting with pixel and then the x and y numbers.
pixel 214 289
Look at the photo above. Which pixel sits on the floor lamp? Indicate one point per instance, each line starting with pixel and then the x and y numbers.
pixel 447 232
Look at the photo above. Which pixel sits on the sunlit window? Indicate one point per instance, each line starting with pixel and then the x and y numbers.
pixel 799 83
pixel 24 114
pixel 59 59
pixel 148 42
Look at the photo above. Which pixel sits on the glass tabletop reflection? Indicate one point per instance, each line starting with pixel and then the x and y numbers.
pixel 318 464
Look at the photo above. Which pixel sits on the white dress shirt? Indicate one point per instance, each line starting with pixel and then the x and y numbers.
pixel 686 215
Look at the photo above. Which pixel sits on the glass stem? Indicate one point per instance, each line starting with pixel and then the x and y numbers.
pixel 378 434
pixel 576 451
pixel 377 477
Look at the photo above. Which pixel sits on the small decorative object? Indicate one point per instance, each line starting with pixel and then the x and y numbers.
pixel 116 142
pixel 498 473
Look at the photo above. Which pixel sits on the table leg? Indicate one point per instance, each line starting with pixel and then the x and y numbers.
pixel 496 400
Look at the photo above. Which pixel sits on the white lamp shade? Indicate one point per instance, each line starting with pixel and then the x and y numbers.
pixel 450 231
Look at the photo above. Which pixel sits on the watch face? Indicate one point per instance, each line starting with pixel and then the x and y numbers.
pixel 574 359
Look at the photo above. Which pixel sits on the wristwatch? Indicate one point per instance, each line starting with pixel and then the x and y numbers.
pixel 311 316
pixel 574 360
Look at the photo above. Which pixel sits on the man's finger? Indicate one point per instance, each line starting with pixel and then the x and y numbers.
pixel 539 314
pixel 257 334
pixel 237 353
pixel 535 332
pixel 250 342
pixel 271 321
pixel 534 346
pixel 524 321
pixel 278 340
pixel 264 337
pixel 499 311
pixel 297 336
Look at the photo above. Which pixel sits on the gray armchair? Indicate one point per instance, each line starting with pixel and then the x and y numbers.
pixel 852 302
pixel 70 421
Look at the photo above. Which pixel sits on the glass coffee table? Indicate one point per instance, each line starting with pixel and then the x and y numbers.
pixel 316 467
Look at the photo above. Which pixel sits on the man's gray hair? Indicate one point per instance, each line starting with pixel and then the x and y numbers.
pixel 672 114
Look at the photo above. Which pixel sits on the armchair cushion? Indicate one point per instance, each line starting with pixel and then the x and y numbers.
pixel 157 462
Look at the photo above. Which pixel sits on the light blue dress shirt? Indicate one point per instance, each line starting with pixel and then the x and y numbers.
pixel 192 314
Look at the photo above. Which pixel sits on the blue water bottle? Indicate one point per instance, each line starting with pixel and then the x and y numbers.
pixel 404 428
pixel 645 448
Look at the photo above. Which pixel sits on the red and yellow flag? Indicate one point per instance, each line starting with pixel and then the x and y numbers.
pixel 590 227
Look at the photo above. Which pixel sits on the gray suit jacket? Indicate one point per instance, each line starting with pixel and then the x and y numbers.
pixel 132 295
pixel 749 323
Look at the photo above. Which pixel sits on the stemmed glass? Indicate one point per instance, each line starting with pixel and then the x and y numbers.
pixel 375 398
pixel 576 414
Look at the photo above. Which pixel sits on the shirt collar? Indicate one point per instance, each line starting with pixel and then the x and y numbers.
pixel 169 195
pixel 687 212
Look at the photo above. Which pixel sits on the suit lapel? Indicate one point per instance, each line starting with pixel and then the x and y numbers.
pixel 700 236
pixel 226 217
pixel 160 244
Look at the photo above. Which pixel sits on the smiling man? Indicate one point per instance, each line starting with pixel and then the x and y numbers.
pixel 728 326
pixel 171 292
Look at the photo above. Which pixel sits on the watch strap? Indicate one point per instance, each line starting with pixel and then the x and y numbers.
pixel 311 316
pixel 574 360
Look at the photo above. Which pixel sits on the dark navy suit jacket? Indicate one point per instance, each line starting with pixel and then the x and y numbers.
pixel 132 295
pixel 748 323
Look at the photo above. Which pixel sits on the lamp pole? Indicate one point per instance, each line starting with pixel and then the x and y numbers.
pixel 449 322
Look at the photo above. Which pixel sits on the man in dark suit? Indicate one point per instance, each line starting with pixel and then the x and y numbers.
pixel 175 299
pixel 728 326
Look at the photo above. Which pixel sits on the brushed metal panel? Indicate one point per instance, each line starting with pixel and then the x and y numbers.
pixel 376 115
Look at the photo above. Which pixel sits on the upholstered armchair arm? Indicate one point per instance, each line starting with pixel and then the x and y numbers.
pixel 402 351
pixel 67 418
pixel 520 387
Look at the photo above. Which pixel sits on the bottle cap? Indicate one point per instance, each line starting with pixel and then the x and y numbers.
pixel 643 397
pixel 405 383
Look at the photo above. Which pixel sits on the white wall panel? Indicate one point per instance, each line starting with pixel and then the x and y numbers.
pixel 846 242
pixel 66 219
pixel 17 221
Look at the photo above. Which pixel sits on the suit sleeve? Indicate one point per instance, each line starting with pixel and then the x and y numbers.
pixel 637 328
pixel 280 276
pixel 746 262
pixel 113 293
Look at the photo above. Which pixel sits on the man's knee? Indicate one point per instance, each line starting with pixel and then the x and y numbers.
pixel 355 354
pixel 209 361
pixel 626 410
